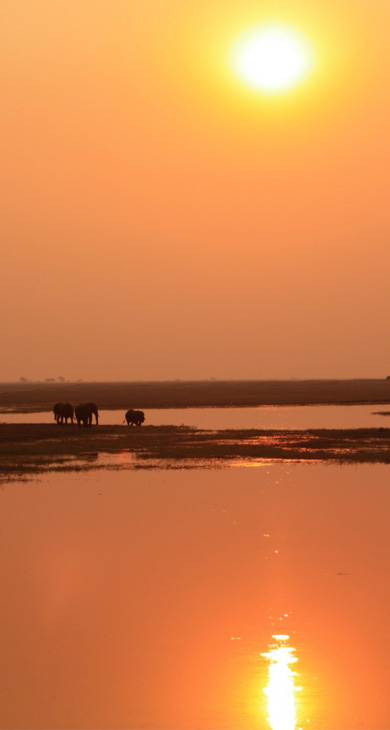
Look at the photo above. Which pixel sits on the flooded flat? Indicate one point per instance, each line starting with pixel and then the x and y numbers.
pixel 32 448
pixel 152 598
pixel 264 417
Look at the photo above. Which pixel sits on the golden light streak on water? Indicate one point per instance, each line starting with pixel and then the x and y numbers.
pixel 281 688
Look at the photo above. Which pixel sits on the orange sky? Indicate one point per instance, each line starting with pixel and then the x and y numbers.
pixel 159 220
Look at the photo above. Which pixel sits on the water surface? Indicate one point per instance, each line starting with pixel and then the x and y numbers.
pixel 149 598
pixel 264 417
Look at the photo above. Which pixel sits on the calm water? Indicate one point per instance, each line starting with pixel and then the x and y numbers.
pixel 149 598
pixel 289 417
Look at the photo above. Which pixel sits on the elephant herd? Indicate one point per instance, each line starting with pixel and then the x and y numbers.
pixel 84 412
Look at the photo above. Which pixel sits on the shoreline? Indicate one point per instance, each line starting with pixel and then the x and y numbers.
pixel 36 448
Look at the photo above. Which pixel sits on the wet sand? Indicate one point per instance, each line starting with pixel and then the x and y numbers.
pixel 30 397
pixel 31 448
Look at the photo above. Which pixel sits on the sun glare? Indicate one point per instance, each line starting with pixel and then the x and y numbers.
pixel 281 689
pixel 272 59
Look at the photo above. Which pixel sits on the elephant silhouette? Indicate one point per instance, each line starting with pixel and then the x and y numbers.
pixel 84 413
pixel 94 411
pixel 63 411
pixel 135 418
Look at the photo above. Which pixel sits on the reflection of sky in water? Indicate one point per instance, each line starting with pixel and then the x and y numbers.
pixel 287 417
pixel 143 598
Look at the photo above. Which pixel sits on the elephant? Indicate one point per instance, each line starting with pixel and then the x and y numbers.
pixel 94 411
pixel 84 413
pixel 63 411
pixel 134 417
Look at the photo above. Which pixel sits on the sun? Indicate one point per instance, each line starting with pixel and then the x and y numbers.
pixel 272 58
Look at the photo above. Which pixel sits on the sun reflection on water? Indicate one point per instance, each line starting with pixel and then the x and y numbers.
pixel 281 688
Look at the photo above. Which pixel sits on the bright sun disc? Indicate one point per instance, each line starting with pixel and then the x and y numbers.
pixel 272 58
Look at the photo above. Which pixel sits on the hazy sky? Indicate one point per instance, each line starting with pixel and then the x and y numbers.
pixel 161 220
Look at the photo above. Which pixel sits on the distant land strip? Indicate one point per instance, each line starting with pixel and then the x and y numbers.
pixel 33 397
pixel 33 448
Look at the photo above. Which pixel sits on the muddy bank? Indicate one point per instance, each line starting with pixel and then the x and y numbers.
pixel 28 448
